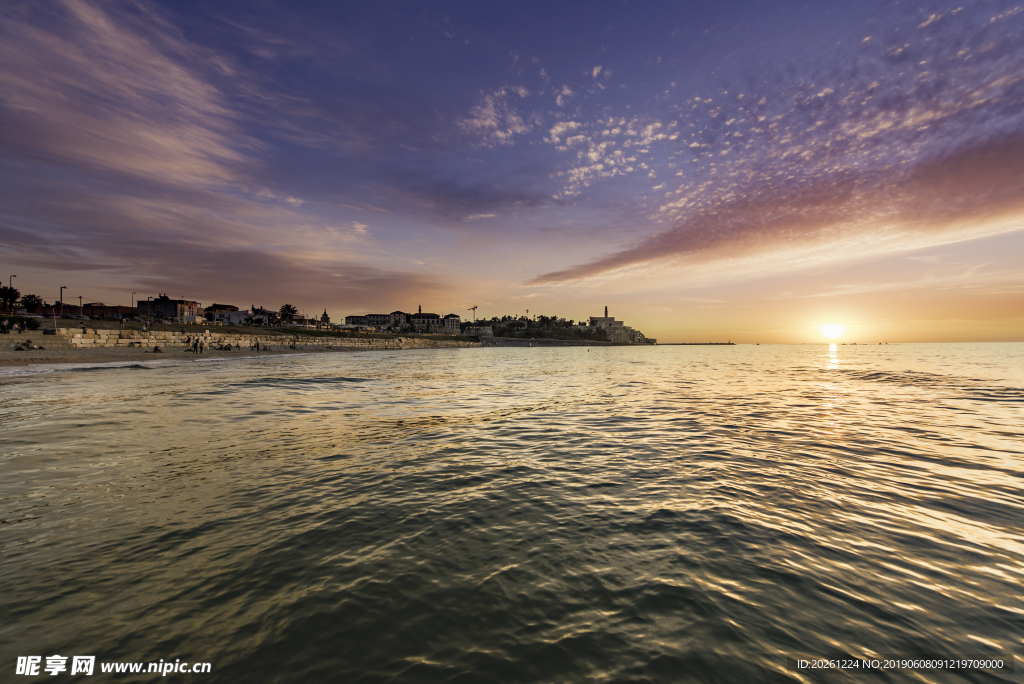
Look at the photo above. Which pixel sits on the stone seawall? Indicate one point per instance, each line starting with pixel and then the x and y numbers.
pixel 90 338
pixel 539 342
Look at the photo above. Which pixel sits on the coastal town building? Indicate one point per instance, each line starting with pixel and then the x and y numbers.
pixel 165 307
pixel 417 322
pixel 617 331
pixel 235 317
pixel 262 316
pixel 91 310
pixel 426 322
pixel 226 314
pixel 451 324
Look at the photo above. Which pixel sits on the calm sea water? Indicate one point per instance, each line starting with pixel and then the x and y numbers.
pixel 657 514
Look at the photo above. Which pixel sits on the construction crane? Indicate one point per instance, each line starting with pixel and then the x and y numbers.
pixel 473 309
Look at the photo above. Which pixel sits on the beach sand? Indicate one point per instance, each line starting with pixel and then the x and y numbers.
pixel 57 349
pixel 9 358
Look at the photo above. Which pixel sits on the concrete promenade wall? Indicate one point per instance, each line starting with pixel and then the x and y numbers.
pixel 527 342
pixel 90 338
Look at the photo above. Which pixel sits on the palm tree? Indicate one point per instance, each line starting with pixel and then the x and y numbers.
pixel 32 302
pixel 9 295
pixel 288 313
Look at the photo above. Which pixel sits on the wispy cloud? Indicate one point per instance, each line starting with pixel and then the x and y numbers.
pixel 967 194
pixel 915 140
pixel 494 120
pixel 126 97
pixel 127 153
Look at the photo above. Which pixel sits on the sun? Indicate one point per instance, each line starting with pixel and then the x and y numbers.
pixel 833 330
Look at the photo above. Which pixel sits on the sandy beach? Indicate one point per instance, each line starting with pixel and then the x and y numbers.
pixel 107 342
pixel 9 358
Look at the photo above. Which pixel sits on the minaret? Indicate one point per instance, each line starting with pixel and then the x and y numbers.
pixel 606 312
pixel 420 310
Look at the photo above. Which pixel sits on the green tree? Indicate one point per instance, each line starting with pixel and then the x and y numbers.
pixel 288 313
pixel 32 302
pixel 9 295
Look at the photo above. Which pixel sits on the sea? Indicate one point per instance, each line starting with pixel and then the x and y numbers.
pixel 747 513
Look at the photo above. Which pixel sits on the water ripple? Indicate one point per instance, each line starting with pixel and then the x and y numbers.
pixel 542 515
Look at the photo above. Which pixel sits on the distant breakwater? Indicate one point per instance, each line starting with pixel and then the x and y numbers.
pixel 89 338
pixel 699 344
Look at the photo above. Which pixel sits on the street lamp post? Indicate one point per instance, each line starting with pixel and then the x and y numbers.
pixel 10 279
pixel 61 300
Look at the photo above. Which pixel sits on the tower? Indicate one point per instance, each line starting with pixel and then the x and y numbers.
pixel 606 312
pixel 420 309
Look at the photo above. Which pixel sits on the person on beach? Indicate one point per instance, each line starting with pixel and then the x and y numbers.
pixel 200 346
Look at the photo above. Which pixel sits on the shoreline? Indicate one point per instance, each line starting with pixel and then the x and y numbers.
pixel 106 345
pixel 45 357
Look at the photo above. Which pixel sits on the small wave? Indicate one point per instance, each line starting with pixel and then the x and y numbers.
pixel 279 382
pixel 127 366
pixel 40 368
pixel 969 388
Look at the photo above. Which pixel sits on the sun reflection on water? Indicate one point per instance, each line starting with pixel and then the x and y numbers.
pixel 832 392
pixel 833 356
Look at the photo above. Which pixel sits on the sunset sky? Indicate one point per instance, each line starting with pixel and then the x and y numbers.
pixel 709 171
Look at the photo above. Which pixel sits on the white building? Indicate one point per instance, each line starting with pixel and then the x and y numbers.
pixel 231 317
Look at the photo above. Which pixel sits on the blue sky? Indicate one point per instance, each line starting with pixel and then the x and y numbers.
pixel 710 169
